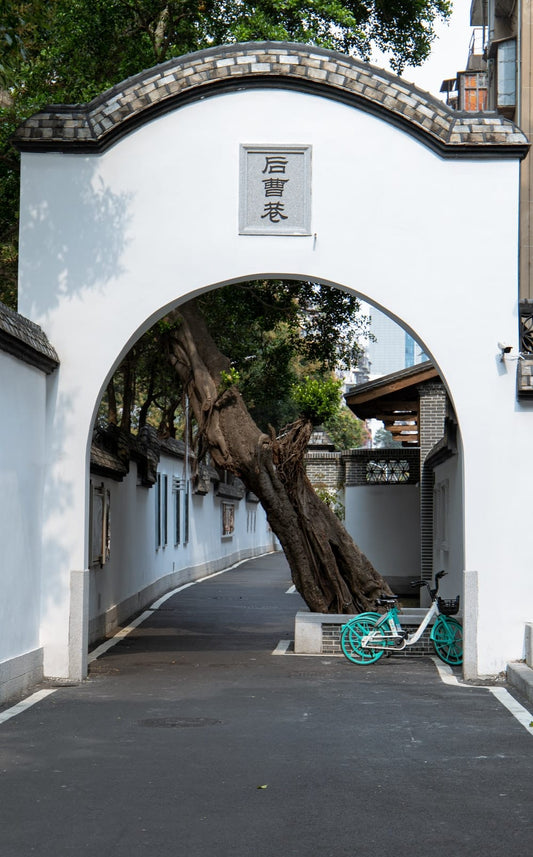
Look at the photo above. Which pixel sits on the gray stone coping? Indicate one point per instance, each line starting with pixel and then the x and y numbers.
pixel 95 126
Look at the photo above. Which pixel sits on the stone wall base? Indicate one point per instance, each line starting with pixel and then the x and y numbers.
pixel 18 675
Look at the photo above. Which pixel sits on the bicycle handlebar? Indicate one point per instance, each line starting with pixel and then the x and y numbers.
pixel 432 592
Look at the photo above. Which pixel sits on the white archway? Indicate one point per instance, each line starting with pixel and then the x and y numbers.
pixel 131 205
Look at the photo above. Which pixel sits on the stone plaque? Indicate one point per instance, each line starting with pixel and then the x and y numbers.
pixel 275 190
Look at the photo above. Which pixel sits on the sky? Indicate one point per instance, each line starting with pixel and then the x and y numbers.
pixel 449 53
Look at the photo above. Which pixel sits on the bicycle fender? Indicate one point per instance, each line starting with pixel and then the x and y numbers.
pixel 440 620
pixel 368 615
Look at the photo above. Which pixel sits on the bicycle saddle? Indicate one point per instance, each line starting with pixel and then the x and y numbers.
pixel 386 599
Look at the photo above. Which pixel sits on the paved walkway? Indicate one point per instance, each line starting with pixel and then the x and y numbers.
pixel 190 738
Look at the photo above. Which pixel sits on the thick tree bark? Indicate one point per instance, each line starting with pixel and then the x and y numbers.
pixel 328 569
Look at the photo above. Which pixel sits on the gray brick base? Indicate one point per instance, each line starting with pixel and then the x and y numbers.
pixel 319 633
pixel 331 643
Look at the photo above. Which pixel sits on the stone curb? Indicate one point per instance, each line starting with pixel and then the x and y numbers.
pixel 520 676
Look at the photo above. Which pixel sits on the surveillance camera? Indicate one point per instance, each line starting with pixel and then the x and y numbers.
pixel 504 347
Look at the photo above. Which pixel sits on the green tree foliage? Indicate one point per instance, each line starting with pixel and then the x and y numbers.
pixel 275 334
pixel 345 430
pixel 67 51
pixel 143 390
pixel 317 399
pixel 74 49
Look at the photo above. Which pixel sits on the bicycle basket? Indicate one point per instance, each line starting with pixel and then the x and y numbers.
pixel 449 606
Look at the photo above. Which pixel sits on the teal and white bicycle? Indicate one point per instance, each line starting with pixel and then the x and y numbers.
pixel 368 636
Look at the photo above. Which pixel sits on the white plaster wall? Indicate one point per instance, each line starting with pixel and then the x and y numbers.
pixel 451 560
pixel 384 521
pixel 136 564
pixel 109 241
pixel 22 447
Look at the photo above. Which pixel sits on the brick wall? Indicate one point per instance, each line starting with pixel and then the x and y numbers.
pixel 356 463
pixel 331 642
pixel 432 421
pixel 325 469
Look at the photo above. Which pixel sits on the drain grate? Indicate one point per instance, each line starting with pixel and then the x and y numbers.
pixel 178 722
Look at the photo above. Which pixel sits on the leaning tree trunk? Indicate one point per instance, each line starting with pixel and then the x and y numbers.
pixel 328 569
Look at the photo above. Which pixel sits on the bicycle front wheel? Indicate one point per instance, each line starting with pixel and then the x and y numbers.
pixel 447 637
pixel 351 637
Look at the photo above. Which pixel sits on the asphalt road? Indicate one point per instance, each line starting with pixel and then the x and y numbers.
pixel 191 738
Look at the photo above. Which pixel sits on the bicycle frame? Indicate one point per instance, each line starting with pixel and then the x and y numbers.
pixel 394 633
pixel 366 637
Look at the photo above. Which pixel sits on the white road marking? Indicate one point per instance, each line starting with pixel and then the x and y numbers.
pixel 522 714
pixel 104 647
pixel 123 632
pixel 518 711
pixel 283 649
pixel 447 675
pixel 25 704
pixel 100 650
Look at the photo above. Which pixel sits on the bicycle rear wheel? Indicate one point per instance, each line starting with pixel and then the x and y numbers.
pixel 447 637
pixel 351 637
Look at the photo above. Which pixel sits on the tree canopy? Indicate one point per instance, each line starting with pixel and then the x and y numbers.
pixel 284 340
pixel 76 48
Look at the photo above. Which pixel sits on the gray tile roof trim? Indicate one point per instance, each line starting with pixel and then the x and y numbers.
pixel 95 126
pixel 400 375
pixel 25 340
pixel 104 463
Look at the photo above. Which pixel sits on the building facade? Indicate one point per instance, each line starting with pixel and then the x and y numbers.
pixel 135 202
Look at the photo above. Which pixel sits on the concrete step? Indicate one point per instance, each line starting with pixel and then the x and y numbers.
pixel 520 676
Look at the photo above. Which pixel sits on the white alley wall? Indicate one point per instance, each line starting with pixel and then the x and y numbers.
pixel 146 559
pixel 22 462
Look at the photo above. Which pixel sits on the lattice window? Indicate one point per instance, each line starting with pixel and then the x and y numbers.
pixel 387 472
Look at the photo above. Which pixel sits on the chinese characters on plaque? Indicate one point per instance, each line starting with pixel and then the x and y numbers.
pixel 275 190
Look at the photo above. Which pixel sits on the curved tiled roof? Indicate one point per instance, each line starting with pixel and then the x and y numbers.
pixel 26 340
pixel 95 126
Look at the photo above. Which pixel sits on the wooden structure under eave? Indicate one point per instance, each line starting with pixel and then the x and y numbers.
pixel 394 399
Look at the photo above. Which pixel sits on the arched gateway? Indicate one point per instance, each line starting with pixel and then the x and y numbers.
pixel 276 160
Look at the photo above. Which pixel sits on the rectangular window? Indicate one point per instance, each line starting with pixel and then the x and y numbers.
pixel 161 511
pixel 158 512
pixel 228 519
pixel 506 75
pixel 440 516
pixel 251 520
pixel 100 525
pixel 164 510
pixel 176 491
pixel 473 89
pixel 186 514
